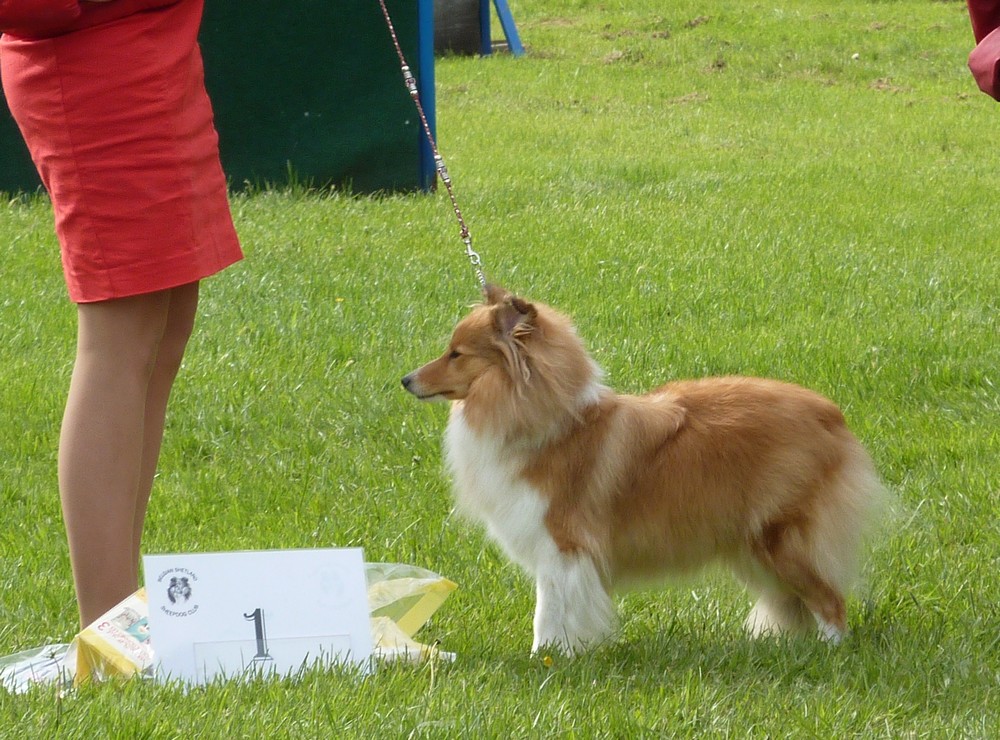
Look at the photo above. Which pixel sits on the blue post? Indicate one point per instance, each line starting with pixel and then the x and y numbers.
pixel 485 42
pixel 425 33
pixel 506 23
pixel 509 29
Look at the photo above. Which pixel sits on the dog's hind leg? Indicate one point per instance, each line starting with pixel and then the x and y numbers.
pixel 815 552
pixel 778 612
pixel 778 609
pixel 784 551
pixel 573 609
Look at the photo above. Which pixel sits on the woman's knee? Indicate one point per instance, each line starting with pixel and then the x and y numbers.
pixel 125 332
pixel 179 325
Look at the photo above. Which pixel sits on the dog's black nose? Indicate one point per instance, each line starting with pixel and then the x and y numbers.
pixel 407 382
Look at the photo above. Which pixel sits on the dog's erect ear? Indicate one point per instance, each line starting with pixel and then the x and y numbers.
pixel 514 317
pixel 494 294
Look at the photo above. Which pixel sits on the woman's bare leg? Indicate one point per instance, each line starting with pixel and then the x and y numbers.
pixel 111 435
pixel 180 323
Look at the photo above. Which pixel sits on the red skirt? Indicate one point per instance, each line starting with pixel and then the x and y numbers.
pixel 118 123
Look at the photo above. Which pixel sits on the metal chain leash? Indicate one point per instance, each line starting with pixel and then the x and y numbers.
pixel 439 165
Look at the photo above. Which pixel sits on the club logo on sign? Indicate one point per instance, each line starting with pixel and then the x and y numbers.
pixel 179 589
pixel 177 584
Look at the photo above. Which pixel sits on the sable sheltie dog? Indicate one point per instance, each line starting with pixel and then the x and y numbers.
pixel 590 490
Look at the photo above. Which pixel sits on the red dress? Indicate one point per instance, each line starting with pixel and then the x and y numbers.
pixel 110 98
pixel 985 16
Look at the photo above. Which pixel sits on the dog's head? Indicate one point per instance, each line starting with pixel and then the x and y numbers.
pixel 489 341
pixel 518 369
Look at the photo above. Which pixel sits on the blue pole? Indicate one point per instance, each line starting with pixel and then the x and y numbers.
pixel 485 42
pixel 425 82
pixel 509 29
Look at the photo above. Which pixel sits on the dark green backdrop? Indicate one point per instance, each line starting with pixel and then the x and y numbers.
pixel 309 87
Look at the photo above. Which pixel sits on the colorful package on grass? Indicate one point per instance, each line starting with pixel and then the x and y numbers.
pixel 116 644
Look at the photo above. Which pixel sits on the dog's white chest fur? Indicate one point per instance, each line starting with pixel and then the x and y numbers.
pixel 489 488
pixel 572 608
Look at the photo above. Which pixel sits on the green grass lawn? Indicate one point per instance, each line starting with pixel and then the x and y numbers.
pixel 805 190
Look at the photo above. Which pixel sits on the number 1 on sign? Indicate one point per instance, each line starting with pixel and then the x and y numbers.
pixel 257 617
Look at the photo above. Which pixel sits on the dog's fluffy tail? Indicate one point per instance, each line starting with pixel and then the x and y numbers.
pixel 846 526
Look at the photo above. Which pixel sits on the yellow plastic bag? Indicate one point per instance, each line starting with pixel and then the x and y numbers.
pixel 401 599
pixel 406 594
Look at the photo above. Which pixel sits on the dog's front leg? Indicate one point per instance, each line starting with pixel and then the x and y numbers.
pixel 573 610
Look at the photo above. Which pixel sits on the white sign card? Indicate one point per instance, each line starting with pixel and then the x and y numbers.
pixel 233 614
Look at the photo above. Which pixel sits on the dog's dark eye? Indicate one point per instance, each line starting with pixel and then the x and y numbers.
pixel 454 355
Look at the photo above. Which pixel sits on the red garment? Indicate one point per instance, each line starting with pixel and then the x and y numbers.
pixel 985 15
pixel 111 101
pixel 984 61
pixel 37 17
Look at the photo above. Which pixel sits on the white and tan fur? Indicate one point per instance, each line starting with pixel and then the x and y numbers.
pixel 590 490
